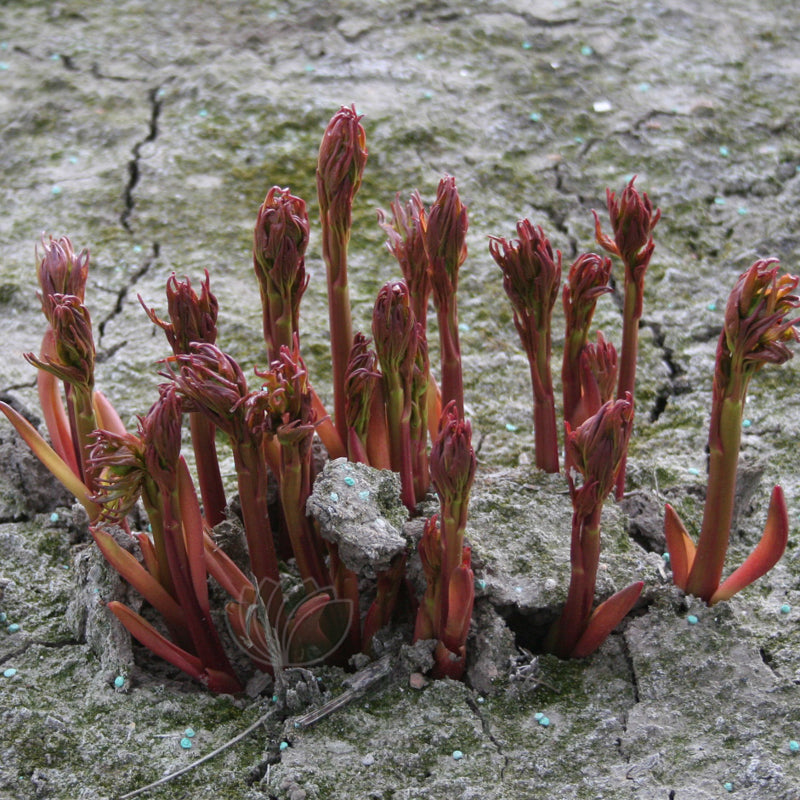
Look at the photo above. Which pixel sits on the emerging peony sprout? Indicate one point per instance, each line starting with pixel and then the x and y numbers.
pixel 211 382
pixel 587 280
pixel 289 419
pixel 446 609
pixel 446 246
pixel 397 335
pixel 280 240
pixel 759 326
pixel 60 271
pixel 598 374
pixel 193 318
pixel 279 245
pixel 594 454
pixel 72 359
pixel 66 360
pixel 632 220
pixel 406 241
pixel 174 576
pixel 69 355
pixel 531 278
pixel 364 407
pixel 342 157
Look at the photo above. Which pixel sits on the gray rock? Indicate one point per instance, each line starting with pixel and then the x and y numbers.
pixel 26 487
pixel 359 509
pixel 87 614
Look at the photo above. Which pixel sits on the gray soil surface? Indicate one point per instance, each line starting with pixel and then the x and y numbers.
pixel 150 133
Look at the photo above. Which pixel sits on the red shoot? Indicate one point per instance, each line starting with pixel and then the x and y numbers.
pixel 632 220
pixel 446 246
pixel 406 235
pixel 396 334
pixel 342 157
pixel 193 318
pixel 595 452
pixel 759 326
pixel 279 246
pixel 586 282
pixel 531 278
pixel 446 609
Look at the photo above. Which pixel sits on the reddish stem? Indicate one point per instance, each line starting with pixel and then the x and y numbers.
pixel 584 555
pixel 205 451
pixel 712 546
pixel 295 487
pixel 627 361
pixel 334 251
pixel 398 412
pixel 199 623
pixel 258 532
pixel 544 409
pixel 453 523
pixel 450 352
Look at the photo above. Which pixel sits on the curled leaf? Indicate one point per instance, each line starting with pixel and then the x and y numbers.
pixel 680 547
pixel 766 554
pixel 605 618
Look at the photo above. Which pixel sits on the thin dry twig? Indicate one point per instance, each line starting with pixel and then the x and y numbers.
pixel 358 684
pixel 236 739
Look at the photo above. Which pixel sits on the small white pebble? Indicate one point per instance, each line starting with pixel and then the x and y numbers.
pixel 417 680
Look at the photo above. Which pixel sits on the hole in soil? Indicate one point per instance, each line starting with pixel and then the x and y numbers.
pixel 644 520
pixel 529 628
pixel 259 771
pixel 768 659
pixel 677 386
pixel 660 404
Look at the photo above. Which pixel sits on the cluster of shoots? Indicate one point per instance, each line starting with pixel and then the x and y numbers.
pixel 387 409
pixel 597 388
pixel 758 328
pixel 389 412
pixel 592 373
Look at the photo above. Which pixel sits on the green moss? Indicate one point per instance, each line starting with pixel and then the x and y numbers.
pixel 8 292
pixel 54 543
pixel 43 746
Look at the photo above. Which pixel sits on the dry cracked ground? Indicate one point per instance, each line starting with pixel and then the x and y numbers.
pixel 150 132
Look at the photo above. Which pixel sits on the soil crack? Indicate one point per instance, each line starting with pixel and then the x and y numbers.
pixel 487 730
pixel 70 642
pixel 538 22
pixel 634 680
pixel 133 165
pixel 122 294
pixel 769 661
pixel 676 384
